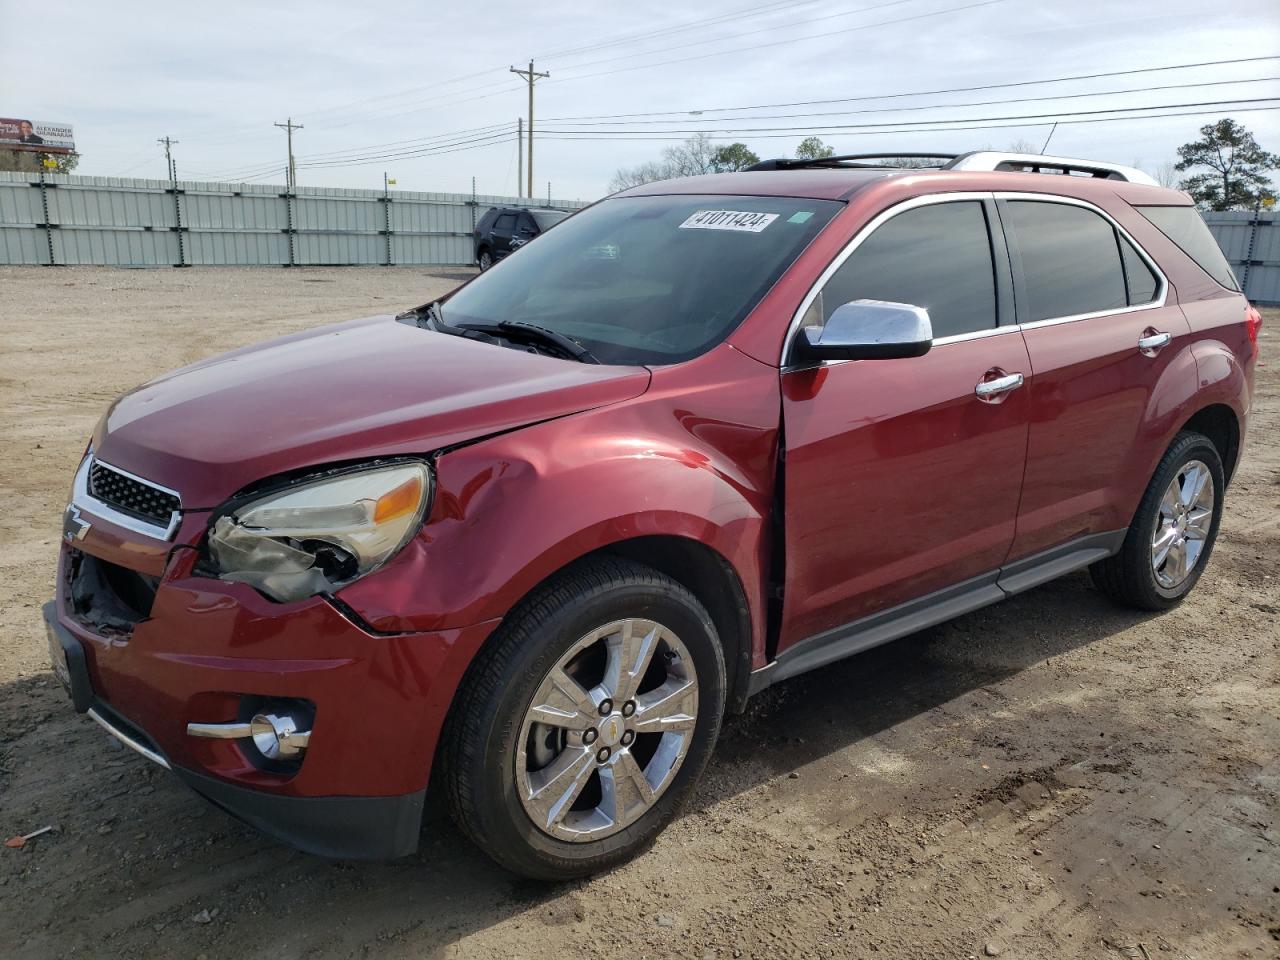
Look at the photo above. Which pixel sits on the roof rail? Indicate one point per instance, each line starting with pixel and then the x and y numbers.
pixel 1037 163
pixel 851 160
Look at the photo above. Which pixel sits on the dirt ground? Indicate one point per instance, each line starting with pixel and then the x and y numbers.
pixel 1048 778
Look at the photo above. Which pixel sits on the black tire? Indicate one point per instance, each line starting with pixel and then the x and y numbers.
pixel 1128 578
pixel 480 739
pixel 484 259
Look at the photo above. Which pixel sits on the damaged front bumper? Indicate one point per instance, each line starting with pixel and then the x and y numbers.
pixel 207 652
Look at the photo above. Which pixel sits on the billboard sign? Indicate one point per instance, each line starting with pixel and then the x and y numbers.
pixel 37 136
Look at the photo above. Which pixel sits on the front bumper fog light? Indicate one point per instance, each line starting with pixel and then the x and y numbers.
pixel 278 737
pixel 275 735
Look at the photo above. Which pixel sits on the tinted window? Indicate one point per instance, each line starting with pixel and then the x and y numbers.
pixel 937 257
pixel 1138 277
pixel 486 222
pixel 647 279
pixel 1184 227
pixel 526 224
pixel 506 223
pixel 1070 260
pixel 548 218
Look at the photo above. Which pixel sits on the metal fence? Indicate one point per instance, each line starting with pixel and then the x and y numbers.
pixel 118 221
pixel 61 219
pixel 1251 241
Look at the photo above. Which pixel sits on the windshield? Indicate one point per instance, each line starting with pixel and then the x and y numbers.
pixel 646 280
pixel 547 218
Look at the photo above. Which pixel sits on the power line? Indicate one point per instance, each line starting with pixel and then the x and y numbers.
pixel 449 101
pixel 925 93
pixel 1047 117
pixel 937 106
pixel 747 33
pixel 454 138
pixel 426 152
pixel 903 127
pixel 778 43
pixel 914 128
pixel 777 6
pixel 900 126
pixel 307 159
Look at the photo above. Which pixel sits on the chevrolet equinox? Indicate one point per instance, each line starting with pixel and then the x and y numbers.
pixel 531 542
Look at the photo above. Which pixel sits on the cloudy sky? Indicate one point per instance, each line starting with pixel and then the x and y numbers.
pixel 422 90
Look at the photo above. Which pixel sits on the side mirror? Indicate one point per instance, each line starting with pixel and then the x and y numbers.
pixel 866 330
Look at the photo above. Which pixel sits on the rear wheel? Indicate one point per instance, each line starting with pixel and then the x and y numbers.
pixel 485 260
pixel 1173 532
pixel 586 722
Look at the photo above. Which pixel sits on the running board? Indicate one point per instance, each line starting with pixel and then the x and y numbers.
pixel 934 608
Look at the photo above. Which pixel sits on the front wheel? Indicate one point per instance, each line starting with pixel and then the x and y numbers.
pixel 586 722
pixel 1172 534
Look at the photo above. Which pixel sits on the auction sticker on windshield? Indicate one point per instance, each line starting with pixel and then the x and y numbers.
pixel 744 221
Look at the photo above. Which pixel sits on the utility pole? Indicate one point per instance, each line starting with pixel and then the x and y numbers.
pixel 519 154
pixel 177 204
pixel 289 126
pixel 531 77
pixel 168 157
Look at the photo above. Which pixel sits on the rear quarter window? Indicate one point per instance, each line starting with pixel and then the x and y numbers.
pixel 1185 227
pixel 1138 277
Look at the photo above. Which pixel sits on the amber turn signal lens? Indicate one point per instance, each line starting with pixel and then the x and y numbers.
pixel 396 503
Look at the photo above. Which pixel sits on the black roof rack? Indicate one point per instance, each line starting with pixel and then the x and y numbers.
pixel 854 160
pixel 978 160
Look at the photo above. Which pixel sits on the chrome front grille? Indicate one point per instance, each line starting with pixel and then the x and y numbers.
pixel 131 495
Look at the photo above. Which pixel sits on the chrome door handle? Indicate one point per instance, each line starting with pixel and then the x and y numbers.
pixel 1154 341
pixel 993 388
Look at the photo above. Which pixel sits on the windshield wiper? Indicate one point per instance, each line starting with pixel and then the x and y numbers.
pixel 558 340
pixel 429 317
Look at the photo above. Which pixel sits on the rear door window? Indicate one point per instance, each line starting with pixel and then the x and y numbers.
pixel 936 256
pixel 1070 259
pixel 506 224
pixel 1185 227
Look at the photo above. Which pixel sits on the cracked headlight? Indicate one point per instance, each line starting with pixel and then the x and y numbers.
pixel 320 534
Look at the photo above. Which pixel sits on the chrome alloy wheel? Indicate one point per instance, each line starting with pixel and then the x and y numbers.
pixel 607 730
pixel 1186 517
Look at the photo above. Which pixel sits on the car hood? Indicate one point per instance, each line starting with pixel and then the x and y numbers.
pixel 367 388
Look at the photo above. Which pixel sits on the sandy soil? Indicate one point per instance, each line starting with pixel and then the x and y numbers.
pixel 1049 778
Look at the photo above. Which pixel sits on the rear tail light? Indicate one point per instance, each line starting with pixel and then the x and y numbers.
pixel 1253 325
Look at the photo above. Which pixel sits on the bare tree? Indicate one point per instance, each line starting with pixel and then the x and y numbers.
pixel 1023 145
pixel 1167 174
pixel 643 173
pixel 692 158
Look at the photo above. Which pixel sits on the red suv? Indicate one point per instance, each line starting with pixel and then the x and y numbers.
pixel 533 541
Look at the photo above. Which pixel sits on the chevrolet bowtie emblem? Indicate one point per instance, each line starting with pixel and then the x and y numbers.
pixel 73 527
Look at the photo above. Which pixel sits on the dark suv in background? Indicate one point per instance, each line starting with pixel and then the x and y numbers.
pixel 504 229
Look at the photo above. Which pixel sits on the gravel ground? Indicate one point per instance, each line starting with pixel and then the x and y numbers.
pixel 1048 778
